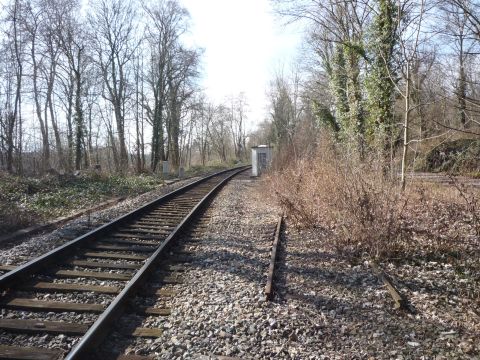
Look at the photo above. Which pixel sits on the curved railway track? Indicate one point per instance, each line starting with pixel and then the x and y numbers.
pixel 91 280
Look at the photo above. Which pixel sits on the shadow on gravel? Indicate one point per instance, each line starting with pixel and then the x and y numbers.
pixel 312 255
pixel 430 288
pixel 254 270
pixel 343 314
pixel 251 269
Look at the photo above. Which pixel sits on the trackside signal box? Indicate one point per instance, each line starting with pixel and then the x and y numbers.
pixel 261 159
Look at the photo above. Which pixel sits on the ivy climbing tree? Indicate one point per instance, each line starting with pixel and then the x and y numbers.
pixel 380 80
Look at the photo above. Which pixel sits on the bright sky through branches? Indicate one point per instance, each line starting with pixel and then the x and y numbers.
pixel 245 43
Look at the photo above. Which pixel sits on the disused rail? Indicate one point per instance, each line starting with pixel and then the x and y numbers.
pixel 273 259
pixel 35 229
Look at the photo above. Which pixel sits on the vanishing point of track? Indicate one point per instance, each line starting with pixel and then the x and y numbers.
pixel 126 251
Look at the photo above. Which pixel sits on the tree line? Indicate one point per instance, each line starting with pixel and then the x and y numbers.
pixel 382 75
pixel 112 83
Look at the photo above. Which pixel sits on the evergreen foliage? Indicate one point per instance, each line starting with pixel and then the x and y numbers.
pixel 339 86
pixel 380 75
pixel 325 116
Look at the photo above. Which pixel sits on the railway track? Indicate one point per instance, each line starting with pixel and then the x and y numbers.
pixel 76 292
pixel 164 286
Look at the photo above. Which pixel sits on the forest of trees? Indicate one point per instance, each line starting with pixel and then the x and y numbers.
pixel 110 84
pixel 114 84
pixel 395 77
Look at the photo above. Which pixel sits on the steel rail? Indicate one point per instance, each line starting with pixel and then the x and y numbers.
pixel 99 329
pixel 273 260
pixel 14 276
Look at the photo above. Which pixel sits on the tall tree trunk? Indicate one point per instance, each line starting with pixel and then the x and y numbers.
pixel 338 84
pixel 111 139
pixel 89 138
pixel 462 85
pixel 43 123
pixel 19 145
pixel 137 120
pixel 69 114
pixel 78 120
pixel 116 90
pixel 51 109
pixel 405 127
pixel 174 154
pixel 121 138
pixel 142 137
pixel 9 140
pixel 356 114
pixel 14 117
pixel 158 146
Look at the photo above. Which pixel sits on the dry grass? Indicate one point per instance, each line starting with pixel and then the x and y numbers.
pixel 366 214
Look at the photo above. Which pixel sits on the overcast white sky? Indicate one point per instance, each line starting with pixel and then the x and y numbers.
pixel 244 45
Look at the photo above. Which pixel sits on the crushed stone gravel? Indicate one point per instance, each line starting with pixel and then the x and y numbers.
pixel 20 252
pixel 324 307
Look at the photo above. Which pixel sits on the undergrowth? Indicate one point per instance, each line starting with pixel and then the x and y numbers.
pixel 365 213
pixel 25 201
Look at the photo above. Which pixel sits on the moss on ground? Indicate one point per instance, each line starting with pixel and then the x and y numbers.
pixel 26 200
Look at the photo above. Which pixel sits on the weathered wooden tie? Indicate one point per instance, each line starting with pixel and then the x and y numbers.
pixel 28 353
pixel 51 306
pixel 7 267
pixel 108 255
pixel 401 303
pixel 64 287
pixel 40 326
pixel 92 275
pixel 107 265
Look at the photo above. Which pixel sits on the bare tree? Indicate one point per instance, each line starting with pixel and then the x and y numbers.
pixel 338 33
pixel 286 107
pixel 238 106
pixel 457 32
pixel 14 59
pixel 167 23
pixel 218 132
pixel 411 16
pixel 73 44
pixel 206 113
pixel 53 12
pixel 139 127
pixel 182 70
pixel 113 33
pixel 32 22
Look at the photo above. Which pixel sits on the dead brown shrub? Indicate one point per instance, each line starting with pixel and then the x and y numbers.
pixel 365 213
pixel 362 208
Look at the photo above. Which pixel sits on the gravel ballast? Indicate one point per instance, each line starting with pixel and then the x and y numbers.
pixel 20 252
pixel 323 308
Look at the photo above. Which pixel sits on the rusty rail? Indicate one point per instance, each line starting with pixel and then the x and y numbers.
pixel 273 259
pixel 35 229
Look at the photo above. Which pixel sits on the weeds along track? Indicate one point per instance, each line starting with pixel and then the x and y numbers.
pixel 65 303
